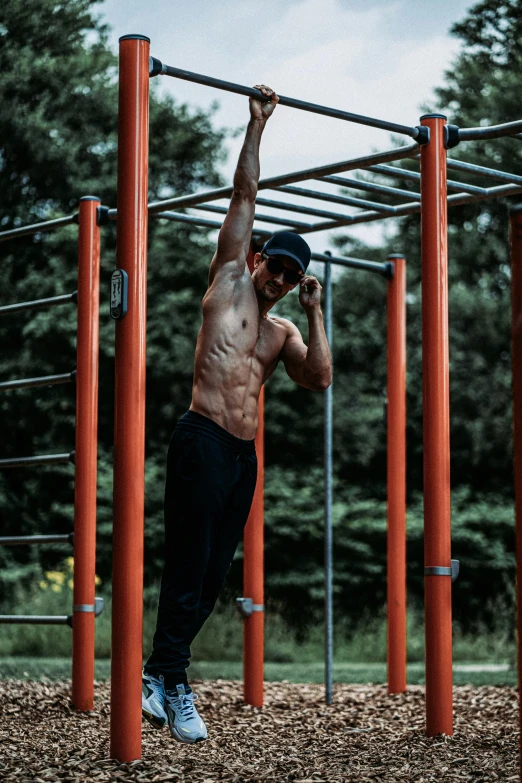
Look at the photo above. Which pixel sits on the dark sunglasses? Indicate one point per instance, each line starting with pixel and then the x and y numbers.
pixel 275 267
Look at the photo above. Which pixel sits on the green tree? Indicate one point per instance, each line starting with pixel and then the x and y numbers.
pixel 58 132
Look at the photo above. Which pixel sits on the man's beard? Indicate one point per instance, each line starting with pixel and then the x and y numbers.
pixel 270 292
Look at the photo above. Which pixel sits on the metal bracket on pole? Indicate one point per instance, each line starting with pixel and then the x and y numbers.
pixel 246 606
pixel 96 607
pixel 451 136
pixel 452 571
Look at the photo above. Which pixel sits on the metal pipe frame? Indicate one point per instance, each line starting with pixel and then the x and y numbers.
pixel 39 304
pixel 286 205
pixel 47 380
pixel 408 151
pixel 36 619
pixel 516 353
pixel 332 197
pixel 436 419
pixel 49 459
pixel 371 187
pixel 86 450
pixel 60 538
pixel 414 176
pixel 37 228
pixel 484 171
pixel 158 68
pixel 491 132
pixel 129 401
pixel 262 218
pixel 328 499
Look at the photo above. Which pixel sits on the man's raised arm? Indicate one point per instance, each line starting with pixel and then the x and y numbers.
pixel 236 230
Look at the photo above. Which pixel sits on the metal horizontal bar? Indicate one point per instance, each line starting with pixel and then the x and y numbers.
pixel 505 176
pixel 180 217
pixel 36 619
pixel 414 176
pixel 410 209
pixel 408 151
pixel 496 192
pixel 293 103
pixel 353 263
pixel 371 187
pixel 262 218
pixel 336 260
pixel 47 380
pixel 22 540
pixel 48 459
pixel 37 228
pixel 491 132
pixel 39 304
pixel 268 202
pixel 332 197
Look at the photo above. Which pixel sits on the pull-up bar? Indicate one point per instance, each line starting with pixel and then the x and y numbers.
pixel 157 68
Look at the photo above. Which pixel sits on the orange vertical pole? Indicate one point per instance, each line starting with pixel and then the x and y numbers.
pixel 396 476
pixel 435 385
pixel 86 454
pixel 253 571
pixel 516 362
pixel 129 424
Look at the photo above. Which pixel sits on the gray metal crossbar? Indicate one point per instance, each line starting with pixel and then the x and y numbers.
pixel 158 68
pixel 48 459
pixel 47 380
pixel 39 304
pixel 25 540
pixel 37 228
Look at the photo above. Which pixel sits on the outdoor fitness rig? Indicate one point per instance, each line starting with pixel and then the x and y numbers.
pixel 86 607
pixel 432 138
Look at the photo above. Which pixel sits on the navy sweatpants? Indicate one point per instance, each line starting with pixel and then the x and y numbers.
pixel 211 477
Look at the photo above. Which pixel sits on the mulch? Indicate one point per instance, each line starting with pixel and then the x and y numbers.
pixel 365 735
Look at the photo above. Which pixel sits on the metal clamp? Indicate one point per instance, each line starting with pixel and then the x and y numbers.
pixel 246 606
pixel 96 607
pixel 452 571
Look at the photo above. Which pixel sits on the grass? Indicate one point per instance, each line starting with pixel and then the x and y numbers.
pixel 375 673
pixel 360 652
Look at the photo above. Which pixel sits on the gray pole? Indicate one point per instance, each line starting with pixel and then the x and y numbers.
pixel 328 575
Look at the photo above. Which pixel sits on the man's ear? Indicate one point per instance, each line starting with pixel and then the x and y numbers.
pixel 257 260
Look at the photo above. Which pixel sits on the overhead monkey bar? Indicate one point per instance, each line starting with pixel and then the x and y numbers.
pixel 156 68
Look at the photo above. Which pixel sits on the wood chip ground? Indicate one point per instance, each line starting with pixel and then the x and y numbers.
pixel 365 735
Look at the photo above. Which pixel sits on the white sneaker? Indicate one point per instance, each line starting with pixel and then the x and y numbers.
pixel 185 723
pixel 153 700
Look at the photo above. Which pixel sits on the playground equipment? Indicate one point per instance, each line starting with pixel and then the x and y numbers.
pixel 85 606
pixel 433 137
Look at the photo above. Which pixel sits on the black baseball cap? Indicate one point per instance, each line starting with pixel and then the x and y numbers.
pixel 285 243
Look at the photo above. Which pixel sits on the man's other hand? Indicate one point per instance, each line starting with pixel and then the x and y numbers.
pixel 259 110
pixel 310 293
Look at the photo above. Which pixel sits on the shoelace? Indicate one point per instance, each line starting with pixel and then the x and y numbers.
pixel 156 683
pixel 185 704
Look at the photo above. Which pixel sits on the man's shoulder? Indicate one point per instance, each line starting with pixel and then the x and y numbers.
pixel 285 323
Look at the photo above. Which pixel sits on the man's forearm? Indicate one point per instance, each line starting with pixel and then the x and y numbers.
pixel 318 358
pixel 248 169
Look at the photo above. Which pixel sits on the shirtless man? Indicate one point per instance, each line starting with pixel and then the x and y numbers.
pixel 211 462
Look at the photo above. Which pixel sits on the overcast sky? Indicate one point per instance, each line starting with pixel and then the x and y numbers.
pixel 381 58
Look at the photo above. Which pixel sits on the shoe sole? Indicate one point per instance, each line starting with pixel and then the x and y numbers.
pixel 150 718
pixel 184 740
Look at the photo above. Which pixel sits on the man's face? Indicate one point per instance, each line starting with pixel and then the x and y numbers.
pixel 272 286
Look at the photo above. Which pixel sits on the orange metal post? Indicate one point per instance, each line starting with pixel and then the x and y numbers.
pixel 516 361
pixel 396 474
pixel 129 425
pixel 253 571
pixel 435 384
pixel 86 454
